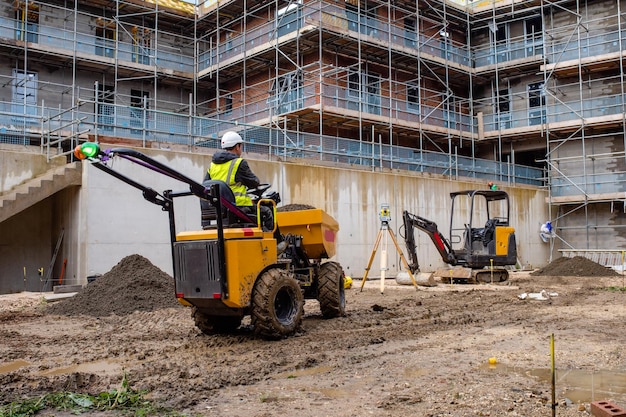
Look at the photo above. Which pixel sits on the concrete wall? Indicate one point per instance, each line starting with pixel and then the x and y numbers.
pixel 19 164
pixel 106 220
pixel 25 246
pixel 122 223
pixel 26 239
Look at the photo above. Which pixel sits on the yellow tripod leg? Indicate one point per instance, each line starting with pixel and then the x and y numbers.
pixel 404 262
pixel 369 264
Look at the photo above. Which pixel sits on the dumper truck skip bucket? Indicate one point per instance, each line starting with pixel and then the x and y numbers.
pixel 318 229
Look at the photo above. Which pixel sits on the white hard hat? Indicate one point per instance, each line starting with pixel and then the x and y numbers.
pixel 230 139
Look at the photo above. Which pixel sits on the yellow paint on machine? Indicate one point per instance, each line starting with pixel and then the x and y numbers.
pixel 242 247
pixel 234 233
pixel 244 265
pixel 318 229
pixel 502 239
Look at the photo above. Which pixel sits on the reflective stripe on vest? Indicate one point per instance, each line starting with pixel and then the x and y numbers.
pixel 226 172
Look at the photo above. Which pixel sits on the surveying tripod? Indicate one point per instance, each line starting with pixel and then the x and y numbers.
pixel 385 217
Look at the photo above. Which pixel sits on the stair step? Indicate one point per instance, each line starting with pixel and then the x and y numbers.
pixel 37 189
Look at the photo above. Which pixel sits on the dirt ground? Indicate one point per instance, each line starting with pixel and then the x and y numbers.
pixel 403 352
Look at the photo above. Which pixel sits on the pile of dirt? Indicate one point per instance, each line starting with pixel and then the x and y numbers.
pixel 134 284
pixel 578 266
pixel 295 207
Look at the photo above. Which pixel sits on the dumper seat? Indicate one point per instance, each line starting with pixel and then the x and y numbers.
pixel 230 218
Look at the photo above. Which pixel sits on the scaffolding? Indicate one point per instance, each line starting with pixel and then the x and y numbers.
pixel 522 92
pixel 583 76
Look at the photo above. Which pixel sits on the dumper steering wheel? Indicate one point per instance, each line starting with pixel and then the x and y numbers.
pixel 259 190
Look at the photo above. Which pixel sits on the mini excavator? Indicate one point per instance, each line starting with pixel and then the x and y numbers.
pixel 479 247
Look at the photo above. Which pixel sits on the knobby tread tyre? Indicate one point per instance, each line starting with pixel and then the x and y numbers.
pixel 212 325
pixel 277 304
pixel 331 291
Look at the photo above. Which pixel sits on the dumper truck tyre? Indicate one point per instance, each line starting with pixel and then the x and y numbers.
pixel 277 304
pixel 212 325
pixel 331 291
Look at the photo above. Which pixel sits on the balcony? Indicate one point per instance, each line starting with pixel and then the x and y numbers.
pixel 55 41
pixel 607 110
pixel 331 18
pixel 593 52
pixel 516 53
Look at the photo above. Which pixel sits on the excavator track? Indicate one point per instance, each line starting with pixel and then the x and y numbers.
pixel 472 276
pixel 489 276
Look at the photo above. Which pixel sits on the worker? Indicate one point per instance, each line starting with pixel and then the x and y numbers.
pixel 227 165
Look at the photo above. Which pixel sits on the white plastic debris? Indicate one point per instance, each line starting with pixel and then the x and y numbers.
pixel 543 295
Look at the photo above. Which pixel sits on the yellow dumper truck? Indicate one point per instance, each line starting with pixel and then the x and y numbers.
pixel 231 267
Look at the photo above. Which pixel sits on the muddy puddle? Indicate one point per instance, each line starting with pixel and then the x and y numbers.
pixel 576 385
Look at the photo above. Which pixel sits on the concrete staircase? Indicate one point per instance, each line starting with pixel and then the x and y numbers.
pixel 39 188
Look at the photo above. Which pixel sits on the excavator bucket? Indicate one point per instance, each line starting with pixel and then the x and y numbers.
pixel 472 276
pixel 454 274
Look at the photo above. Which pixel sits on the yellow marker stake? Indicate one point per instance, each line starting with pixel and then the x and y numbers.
pixel 491 262
pixel 623 283
pixel 553 375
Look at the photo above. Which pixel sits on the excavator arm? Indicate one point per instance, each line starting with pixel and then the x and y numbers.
pixel 412 221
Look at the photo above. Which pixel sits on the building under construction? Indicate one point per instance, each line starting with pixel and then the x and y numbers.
pixel 522 92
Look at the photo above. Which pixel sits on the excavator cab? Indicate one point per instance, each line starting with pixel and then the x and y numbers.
pixel 480 231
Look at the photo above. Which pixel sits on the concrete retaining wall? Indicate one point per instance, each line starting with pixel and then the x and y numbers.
pixel 106 220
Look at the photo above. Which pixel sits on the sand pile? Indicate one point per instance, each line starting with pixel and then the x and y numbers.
pixel 578 266
pixel 134 284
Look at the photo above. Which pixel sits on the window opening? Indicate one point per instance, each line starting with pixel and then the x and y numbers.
pixel 141 45
pixel 504 109
pixel 373 93
pixel 105 108
pixel 502 33
pixel 410 32
pixel 287 93
pixel 364 88
pixel 536 103
pixel 449 114
pixel 105 38
pixel 444 37
pixel 289 18
pixel 534 41
pixel 354 85
pixel 413 98
pixel 139 104
pixel 228 103
pixel 501 41
pixel 366 22
pixel 26 22
pixel 533 27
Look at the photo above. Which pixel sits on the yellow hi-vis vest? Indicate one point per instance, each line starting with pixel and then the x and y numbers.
pixel 226 172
